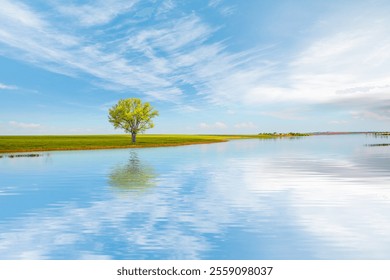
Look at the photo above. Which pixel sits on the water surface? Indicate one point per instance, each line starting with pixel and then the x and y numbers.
pixel 319 197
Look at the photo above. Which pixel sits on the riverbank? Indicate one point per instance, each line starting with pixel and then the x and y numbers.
pixel 13 144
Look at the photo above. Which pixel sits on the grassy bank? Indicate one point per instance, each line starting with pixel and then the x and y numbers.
pixel 90 142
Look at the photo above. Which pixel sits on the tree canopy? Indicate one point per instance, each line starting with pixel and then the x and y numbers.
pixel 132 116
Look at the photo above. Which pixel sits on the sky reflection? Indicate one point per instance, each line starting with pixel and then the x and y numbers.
pixel 237 200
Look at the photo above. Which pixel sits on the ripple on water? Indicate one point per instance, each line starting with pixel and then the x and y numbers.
pixel 311 198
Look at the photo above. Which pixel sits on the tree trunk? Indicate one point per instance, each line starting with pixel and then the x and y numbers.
pixel 133 136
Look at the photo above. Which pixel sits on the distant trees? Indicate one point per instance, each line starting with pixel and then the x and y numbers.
pixel 132 116
pixel 289 134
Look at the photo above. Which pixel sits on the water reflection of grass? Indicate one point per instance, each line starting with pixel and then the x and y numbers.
pixel 134 175
pixel 21 155
pixel 378 145
pixel 381 135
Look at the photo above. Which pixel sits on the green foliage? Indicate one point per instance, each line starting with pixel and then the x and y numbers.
pixel 132 116
pixel 135 175
pixel 382 133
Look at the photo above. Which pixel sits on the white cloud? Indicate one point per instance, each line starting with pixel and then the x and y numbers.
pixel 227 11
pixel 49 48
pixel 177 34
pixel 364 114
pixel 169 94
pixel 8 87
pixel 214 73
pixel 222 77
pixel 221 8
pixel 340 122
pixel 220 125
pixel 286 114
pixel 186 108
pixel 346 67
pixel 24 125
pixel 216 125
pixel 20 14
pixel 98 12
pixel 165 7
pixel 45 45
pixel 245 125
pixel 214 3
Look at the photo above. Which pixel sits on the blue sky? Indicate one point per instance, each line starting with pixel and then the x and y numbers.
pixel 218 66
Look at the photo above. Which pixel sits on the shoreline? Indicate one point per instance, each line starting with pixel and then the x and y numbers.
pixel 47 143
pixel 2 153
pixel 27 144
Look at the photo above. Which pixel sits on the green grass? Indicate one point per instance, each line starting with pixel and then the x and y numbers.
pixel 89 142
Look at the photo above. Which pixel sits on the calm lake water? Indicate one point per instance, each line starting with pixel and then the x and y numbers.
pixel 320 197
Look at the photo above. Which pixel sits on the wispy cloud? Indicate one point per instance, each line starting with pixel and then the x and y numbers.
pixel 96 12
pixel 216 125
pixel 224 10
pixel 338 122
pixel 19 14
pixel 136 63
pixel 346 69
pixel 286 114
pixel 214 3
pixel 45 45
pixel 8 87
pixel 227 11
pixel 188 30
pixel 165 7
pixel 24 125
pixel 245 125
pixel 365 114
pixel 180 58
pixel 330 70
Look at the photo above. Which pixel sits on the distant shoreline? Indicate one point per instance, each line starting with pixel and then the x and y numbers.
pixel 341 132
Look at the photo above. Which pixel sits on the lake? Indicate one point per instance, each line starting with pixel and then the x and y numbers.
pixel 318 197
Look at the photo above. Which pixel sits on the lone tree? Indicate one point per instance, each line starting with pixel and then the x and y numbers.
pixel 132 116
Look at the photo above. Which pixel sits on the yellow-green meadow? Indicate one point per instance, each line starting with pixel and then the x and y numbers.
pixel 91 142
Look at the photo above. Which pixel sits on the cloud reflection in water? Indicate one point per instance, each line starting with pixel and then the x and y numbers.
pixel 242 199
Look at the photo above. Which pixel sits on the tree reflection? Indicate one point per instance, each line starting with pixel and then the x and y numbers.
pixel 134 175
